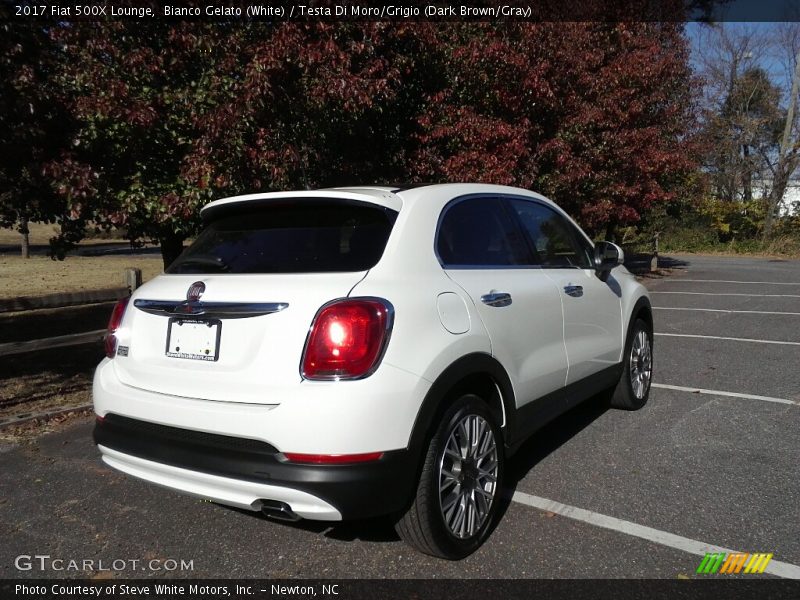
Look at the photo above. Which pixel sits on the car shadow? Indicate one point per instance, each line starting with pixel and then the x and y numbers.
pixel 640 264
pixel 543 443
pixel 546 441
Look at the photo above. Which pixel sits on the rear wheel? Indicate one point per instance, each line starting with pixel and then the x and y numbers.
pixel 633 388
pixel 457 495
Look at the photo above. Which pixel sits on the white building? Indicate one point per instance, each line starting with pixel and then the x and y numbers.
pixel 790 205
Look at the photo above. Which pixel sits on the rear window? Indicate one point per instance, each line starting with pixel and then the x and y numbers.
pixel 296 237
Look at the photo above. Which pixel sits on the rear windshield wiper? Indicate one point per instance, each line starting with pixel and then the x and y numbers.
pixel 202 260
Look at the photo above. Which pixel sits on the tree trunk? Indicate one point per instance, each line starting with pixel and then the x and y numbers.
pixel 25 245
pixel 611 231
pixel 779 184
pixel 171 247
pixel 747 175
pixel 787 155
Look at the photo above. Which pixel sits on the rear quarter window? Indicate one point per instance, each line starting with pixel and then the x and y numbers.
pixel 290 237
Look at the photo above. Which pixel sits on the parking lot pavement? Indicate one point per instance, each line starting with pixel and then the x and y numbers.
pixel 619 494
pixel 763 296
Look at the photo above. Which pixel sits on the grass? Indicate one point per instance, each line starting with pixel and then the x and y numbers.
pixel 782 246
pixel 40 234
pixel 48 380
pixel 704 240
pixel 39 275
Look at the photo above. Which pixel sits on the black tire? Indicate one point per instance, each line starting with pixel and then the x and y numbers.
pixel 425 525
pixel 633 388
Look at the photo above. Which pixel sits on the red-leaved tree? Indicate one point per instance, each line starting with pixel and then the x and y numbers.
pixel 596 115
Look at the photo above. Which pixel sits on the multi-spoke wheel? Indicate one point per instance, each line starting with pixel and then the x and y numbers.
pixel 458 490
pixel 468 472
pixel 633 388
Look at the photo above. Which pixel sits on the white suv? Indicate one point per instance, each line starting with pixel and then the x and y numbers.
pixel 353 352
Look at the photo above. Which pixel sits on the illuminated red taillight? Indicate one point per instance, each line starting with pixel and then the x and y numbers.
pixel 347 339
pixel 332 459
pixel 113 324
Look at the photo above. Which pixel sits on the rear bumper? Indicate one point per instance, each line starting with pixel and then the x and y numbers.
pixel 243 472
pixel 309 417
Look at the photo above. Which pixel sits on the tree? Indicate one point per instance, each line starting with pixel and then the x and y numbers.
pixel 595 115
pixel 139 92
pixel 742 134
pixel 34 128
pixel 173 115
pixel 319 105
pixel 787 160
pixel 741 108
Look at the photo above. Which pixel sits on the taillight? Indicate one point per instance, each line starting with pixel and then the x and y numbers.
pixel 347 339
pixel 113 324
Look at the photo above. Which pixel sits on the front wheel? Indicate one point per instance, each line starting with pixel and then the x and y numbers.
pixel 458 491
pixel 633 388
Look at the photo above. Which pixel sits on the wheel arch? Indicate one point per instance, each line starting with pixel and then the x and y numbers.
pixel 641 310
pixel 477 373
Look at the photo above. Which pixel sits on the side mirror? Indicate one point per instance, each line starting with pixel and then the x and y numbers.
pixel 606 257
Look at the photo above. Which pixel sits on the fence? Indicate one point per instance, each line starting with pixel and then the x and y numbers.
pixel 132 280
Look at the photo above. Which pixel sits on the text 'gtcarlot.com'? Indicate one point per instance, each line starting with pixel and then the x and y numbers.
pixel 45 562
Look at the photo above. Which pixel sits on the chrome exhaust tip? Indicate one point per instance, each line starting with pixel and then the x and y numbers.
pixel 278 510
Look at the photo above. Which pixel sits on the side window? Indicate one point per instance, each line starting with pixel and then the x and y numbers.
pixel 551 236
pixel 479 232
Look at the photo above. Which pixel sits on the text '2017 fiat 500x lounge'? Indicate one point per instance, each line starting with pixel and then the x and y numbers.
pixel 355 352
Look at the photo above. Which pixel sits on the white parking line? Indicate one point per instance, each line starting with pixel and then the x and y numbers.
pixel 691 390
pixel 732 339
pixel 775 567
pixel 731 294
pixel 720 310
pixel 731 281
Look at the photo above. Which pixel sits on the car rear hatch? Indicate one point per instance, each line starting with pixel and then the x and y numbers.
pixel 229 319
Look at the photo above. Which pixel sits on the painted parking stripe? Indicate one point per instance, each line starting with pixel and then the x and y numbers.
pixel 730 339
pixel 730 294
pixel 691 390
pixel 678 280
pixel 721 310
pixel 664 538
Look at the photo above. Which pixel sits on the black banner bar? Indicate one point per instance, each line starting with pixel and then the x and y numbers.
pixel 497 11
pixel 410 589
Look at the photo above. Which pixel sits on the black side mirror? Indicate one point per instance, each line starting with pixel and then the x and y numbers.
pixel 606 257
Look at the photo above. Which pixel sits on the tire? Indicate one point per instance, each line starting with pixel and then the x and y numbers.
pixel 458 492
pixel 633 388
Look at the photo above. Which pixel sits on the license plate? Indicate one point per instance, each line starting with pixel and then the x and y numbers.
pixel 193 339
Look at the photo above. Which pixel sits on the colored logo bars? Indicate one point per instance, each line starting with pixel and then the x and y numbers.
pixel 734 563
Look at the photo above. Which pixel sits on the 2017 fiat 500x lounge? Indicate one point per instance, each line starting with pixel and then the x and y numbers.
pixel 353 352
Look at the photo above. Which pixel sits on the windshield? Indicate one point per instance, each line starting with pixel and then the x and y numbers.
pixel 290 237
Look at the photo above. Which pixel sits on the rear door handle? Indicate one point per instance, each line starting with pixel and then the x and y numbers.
pixel 576 291
pixel 496 299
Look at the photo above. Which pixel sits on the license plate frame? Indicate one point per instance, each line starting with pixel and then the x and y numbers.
pixel 196 345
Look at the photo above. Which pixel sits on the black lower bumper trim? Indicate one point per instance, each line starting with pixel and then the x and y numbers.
pixel 356 490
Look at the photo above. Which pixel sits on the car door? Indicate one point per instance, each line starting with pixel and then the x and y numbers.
pixel 483 250
pixel 592 308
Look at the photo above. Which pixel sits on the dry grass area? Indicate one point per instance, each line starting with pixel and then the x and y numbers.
pixel 44 382
pixel 39 275
pixel 40 234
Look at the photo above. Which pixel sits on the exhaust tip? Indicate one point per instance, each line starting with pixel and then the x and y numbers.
pixel 278 510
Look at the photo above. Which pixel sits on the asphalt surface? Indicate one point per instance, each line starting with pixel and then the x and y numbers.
pixel 710 468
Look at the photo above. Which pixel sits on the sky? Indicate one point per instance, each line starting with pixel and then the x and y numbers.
pixel 775 62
